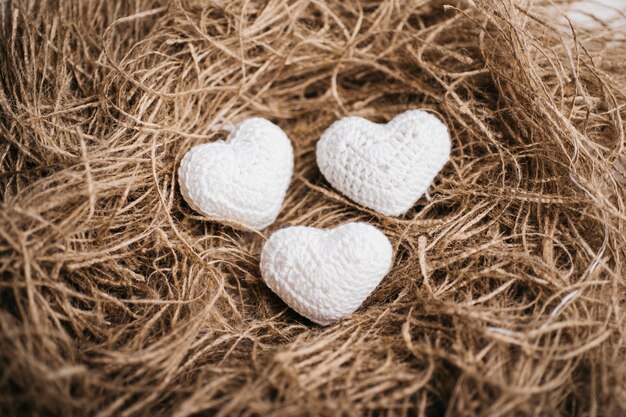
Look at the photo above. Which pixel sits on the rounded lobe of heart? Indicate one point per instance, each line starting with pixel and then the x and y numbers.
pixel 242 180
pixel 325 275
pixel 387 167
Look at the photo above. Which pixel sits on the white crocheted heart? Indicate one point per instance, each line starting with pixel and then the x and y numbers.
pixel 384 167
pixel 242 180
pixel 325 275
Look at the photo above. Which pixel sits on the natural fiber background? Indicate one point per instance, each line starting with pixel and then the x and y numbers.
pixel 507 294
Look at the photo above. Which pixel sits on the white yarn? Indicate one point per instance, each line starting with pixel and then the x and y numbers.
pixel 325 275
pixel 242 180
pixel 384 167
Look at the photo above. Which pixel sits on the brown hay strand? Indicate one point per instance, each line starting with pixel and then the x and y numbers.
pixel 507 294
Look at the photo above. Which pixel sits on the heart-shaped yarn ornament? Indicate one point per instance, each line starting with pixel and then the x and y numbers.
pixel 326 274
pixel 385 167
pixel 241 181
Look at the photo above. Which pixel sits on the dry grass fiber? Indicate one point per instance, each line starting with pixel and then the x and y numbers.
pixel 507 293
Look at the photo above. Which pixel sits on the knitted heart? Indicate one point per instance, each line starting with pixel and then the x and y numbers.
pixel 325 274
pixel 242 180
pixel 384 167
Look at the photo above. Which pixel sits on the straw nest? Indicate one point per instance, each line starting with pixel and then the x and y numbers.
pixel 507 292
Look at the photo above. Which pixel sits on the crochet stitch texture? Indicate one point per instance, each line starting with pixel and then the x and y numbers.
pixel 325 275
pixel 242 180
pixel 385 167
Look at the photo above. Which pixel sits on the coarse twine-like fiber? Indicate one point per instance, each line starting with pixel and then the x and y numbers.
pixel 242 180
pixel 506 296
pixel 325 274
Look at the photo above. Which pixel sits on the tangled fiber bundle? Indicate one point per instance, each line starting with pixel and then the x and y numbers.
pixel 116 299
